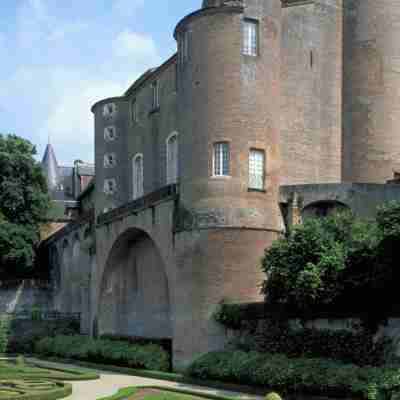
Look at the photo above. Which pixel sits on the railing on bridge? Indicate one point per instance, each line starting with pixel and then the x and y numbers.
pixel 43 315
pixel 137 205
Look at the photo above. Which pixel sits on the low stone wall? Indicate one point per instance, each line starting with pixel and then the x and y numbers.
pixel 390 330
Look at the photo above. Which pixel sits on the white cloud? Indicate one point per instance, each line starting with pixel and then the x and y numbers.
pixel 60 76
pixel 70 121
pixel 140 48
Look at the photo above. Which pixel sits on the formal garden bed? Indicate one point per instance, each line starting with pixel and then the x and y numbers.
pixel 22 380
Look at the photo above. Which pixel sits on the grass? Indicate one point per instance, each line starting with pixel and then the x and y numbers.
pixel 165 376
pixel 162 393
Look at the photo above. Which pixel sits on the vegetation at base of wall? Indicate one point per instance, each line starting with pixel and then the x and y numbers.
pixel 24 203
pixel 151 356
pixel 337 263
pixel 5 322
pixel 302 376
pixel 18 336
pixel 277 336
pixel 165 344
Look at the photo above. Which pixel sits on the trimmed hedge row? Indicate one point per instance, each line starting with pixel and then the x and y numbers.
pixel 63 390
pixel 307 376
pixel 150 356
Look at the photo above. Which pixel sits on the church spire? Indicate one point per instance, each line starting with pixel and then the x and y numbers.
pixel 50 166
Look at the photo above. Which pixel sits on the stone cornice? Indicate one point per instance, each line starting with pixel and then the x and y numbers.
pixel 293 3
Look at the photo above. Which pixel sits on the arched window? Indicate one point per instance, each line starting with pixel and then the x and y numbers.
pixel 137 176
pixel 172 158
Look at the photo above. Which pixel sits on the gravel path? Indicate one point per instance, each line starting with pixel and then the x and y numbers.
pixel 110 382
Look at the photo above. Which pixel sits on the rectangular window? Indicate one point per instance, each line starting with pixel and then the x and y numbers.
pixel 155 93
pixel 221 159
pixel 257 169
pixel 138 189
pixel 250 37
pixel 134 110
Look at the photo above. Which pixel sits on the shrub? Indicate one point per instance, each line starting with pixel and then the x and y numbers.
pixel 273 396
pixel 4 333
pixel 150 356
pixel 358 347
pixel 306 376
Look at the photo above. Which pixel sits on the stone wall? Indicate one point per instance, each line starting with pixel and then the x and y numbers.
pixel 390 330
pixel 17 296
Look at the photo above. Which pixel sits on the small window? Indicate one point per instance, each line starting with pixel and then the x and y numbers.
pixel 257 169
pixel 109 110
pixel 110 186
pixel 184 44
pixel 137 176
pixel 134 111
pixel 110 160
pixel 221 159
pixel 250 37
pixel 172 159
pixel 110 133
pixel 155 94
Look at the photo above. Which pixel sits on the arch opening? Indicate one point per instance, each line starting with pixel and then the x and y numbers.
pixel 324 208
pixel 134 294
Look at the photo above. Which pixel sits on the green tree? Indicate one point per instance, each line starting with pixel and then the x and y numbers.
pixel 24 203
pixel 321 262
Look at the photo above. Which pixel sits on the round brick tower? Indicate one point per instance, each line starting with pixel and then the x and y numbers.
pixel 228 112
pixel 371 90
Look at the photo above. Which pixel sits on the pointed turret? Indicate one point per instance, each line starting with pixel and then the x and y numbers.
pixel 50 167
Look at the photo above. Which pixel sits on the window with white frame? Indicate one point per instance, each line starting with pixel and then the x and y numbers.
pixel 137 176
pixel 250 37
pixel 257 169
pixel 110 160
pixel 172 158
pixel 134 110
pixel 109 110
pixel 110 133
pixel 110 186
pixel 221 159
pixel 155 94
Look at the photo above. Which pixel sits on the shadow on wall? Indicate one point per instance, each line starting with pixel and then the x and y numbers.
pixel 134 297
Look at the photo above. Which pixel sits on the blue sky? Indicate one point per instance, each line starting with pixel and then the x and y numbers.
pixel 59 57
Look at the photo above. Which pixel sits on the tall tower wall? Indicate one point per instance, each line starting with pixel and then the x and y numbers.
pixel 224 96
pixel 371 148
pixel 311 126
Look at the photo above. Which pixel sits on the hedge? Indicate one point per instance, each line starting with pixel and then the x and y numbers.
pixel 4 333
pixel 305 376
pixel 63 390
pixel 150 356
pixel 359 347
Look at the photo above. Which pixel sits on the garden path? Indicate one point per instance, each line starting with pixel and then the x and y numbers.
pixel 110 382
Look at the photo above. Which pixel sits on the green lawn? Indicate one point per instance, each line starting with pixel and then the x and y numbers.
pixel 160 393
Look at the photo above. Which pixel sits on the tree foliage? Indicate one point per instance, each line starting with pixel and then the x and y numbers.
pixel 338 261
pixel 24 203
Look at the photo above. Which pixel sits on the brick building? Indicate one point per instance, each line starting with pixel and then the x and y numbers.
pixel 270 110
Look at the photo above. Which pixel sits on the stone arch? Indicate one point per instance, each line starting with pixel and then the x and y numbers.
pixel 324 208
pixel 134 296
